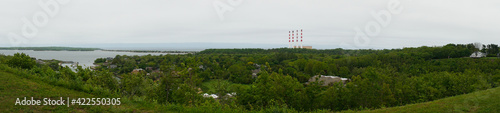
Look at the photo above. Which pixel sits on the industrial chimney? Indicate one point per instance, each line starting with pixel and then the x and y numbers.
pixel 293 39
pixel 301 38
pixel 297 40
pixel 289 40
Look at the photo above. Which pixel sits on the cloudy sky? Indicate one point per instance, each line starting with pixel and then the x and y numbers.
pixel 249 23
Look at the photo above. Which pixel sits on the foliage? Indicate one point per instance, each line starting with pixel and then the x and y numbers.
pixel 21 60
pixel 100 60
pixel 239 74
pixel 485 101
pixel 133 84
pixel 378 78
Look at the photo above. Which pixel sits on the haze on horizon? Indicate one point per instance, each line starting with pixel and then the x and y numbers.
pixel 249 23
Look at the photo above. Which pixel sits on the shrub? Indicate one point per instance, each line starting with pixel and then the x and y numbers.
pixel 21 60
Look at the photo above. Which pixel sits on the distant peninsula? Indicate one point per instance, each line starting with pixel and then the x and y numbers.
pixel 88 49
pixel 151 51
pixel 50 48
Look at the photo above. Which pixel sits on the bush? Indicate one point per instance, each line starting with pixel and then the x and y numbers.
pixel 21 60
pixel 100 60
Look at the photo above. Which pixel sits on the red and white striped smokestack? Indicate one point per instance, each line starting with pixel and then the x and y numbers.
pixel 297 40
pixel 289 39
pixel 293 38
pixel 301 38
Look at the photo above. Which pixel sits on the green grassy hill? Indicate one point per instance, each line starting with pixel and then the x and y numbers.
pixel 13 87
pixel 486 101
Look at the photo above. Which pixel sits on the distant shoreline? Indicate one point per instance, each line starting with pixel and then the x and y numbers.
pixel 150 51
pixel 90 49
pixel 50 48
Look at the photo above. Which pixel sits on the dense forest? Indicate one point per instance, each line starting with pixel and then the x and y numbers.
pixel 378 78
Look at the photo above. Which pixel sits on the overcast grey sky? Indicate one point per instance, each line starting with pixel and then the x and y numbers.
pixel 326 23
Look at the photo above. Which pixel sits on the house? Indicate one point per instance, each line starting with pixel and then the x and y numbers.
pixel 156 71
pixel 255 72
pixel 40 61
pixel 112 66
pixel 478 54
pixel 201 67
pixel 149 68
pixel 136 71
pixel 228 95
pixel 109 59
pixel 206 95
pixel 328 80
pixel 104 64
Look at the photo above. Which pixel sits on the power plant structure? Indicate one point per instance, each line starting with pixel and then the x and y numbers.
pixel 293 39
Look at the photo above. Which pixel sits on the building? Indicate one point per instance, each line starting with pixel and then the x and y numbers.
pixel 40 61
pixel 255 72
pixel 478 54
pixel 328 80
pixel 109 59
pixel 206 95
pixel 112 66
pixel 294 41
pixel 136 71
pixel 307 47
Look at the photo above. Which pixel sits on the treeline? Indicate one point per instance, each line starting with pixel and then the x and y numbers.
pixel 453 51
pixel 379 78
pixel 151 51
pixel 447 51
pixel 338 51
pixel 49 48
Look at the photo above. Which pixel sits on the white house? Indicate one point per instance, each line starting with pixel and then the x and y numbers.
pixel 206 95
pixel 478 54
pixel 328 80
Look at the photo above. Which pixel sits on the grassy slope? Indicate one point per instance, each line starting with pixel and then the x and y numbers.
pixel 487 101
pixel 13 87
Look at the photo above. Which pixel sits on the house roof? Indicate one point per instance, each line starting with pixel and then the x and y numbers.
pixel 478 54
pixel 327 80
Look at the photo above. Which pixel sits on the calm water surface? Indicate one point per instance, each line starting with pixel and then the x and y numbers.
pixel 84 58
